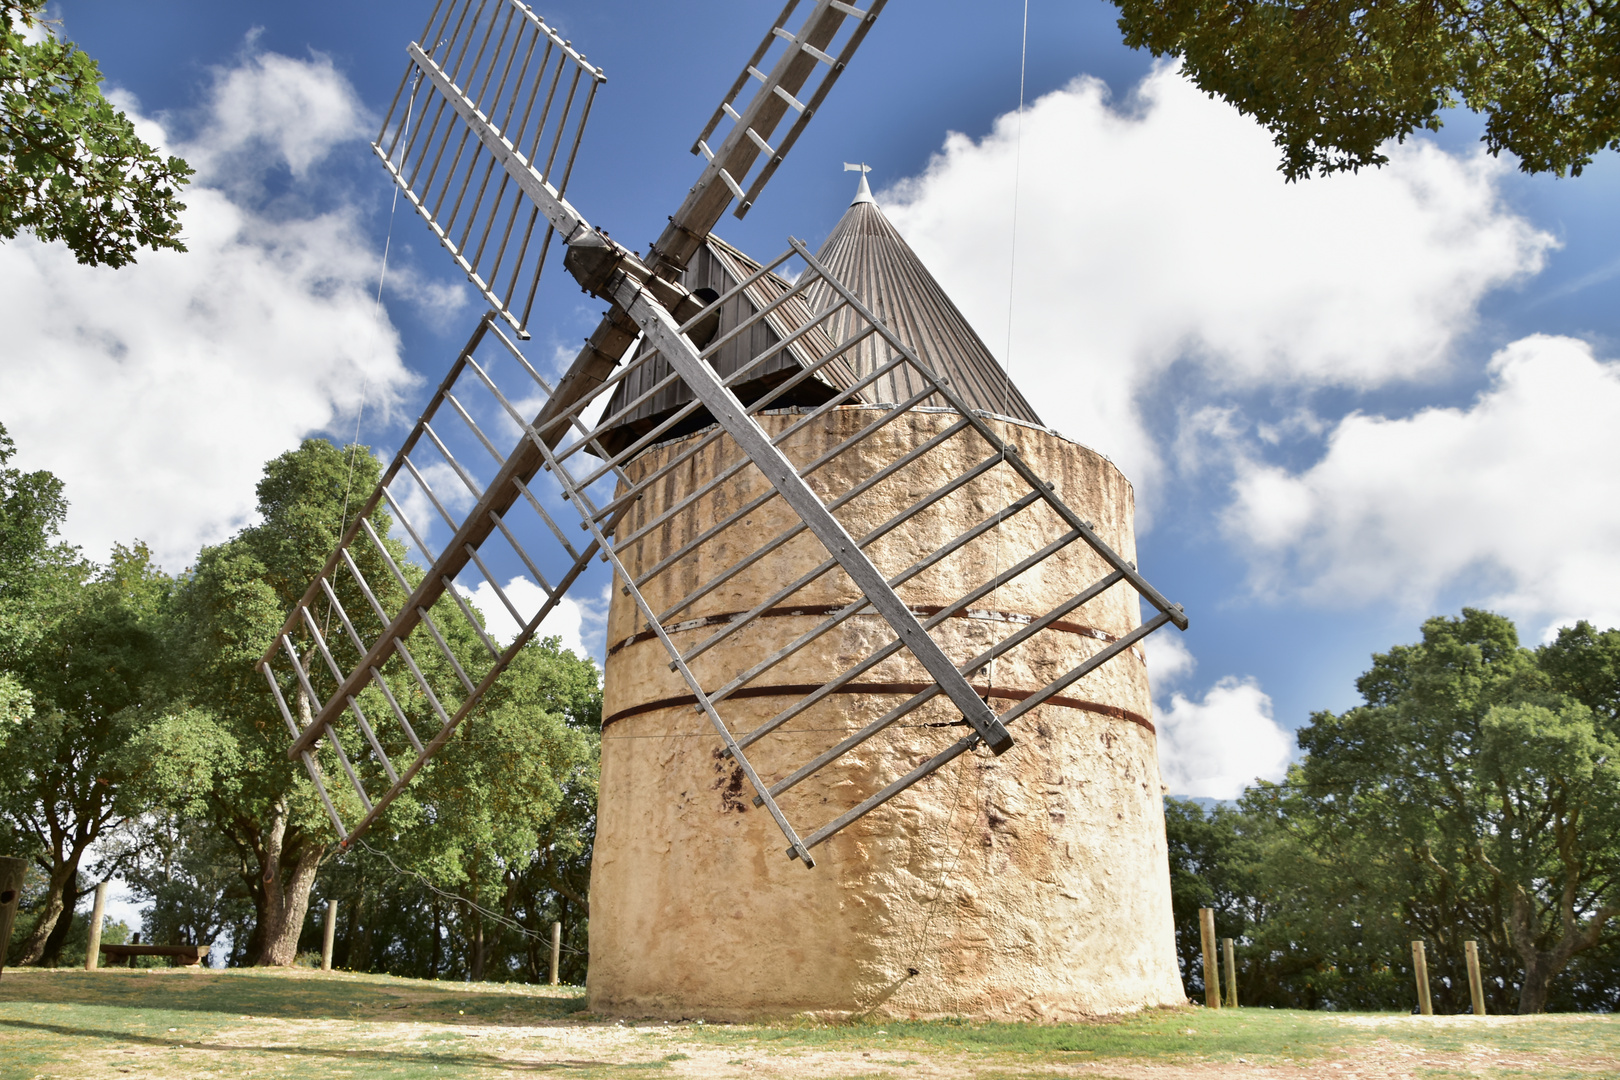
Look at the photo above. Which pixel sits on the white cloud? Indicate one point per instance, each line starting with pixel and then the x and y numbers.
pixel 157 391
pixel 413 507
pixel 277 108
pixel 1216 747
pixel 1168 659
pixel 1512 496
pixel 448 487
pixel 1165 232
pixel 568 620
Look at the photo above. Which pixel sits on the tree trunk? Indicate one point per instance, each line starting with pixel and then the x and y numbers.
pixel 562 917
pixel 1538 974
pixel 290 909
pixel 33 947
pixel 253 943
pixel 360 950
pixel 475 958
pixel 52 956
pixel 438 931
pixel 351 930
pixel 1542 965
pixel 286 897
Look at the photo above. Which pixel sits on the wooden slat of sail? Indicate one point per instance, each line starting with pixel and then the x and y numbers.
pixel 868 254
pixel 720 266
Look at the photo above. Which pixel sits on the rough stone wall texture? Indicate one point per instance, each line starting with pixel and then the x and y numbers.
pixel 1033 886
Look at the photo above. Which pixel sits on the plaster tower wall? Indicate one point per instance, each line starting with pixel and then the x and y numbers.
pixel 1034 886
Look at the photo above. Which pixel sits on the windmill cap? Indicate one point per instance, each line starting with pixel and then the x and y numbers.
pixel 863 193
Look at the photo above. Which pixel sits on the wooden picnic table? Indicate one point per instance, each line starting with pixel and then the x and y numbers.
pixel 185 955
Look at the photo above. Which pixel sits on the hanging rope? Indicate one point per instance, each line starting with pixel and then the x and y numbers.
pixel 493 916
pixel 360 409
pixel 1018 166
pixel 1006 410
pixel 1012 275
pixel 376 311
pixel 948 869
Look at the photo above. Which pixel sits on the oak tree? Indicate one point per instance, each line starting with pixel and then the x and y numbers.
pixel 1334 80
pixel 230 608
pixel 71 166
pixel 1476 793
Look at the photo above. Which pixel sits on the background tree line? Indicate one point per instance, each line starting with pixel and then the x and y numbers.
pixel 140 742
pixel 1475 795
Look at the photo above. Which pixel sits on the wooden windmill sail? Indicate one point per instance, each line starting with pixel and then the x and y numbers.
pixel 738 358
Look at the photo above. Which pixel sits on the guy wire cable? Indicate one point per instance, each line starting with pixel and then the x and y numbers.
pixel 1012 270
pixel 360 409
pixel 492 916
pixel 1006 410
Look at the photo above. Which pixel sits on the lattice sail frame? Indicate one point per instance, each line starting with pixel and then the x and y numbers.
pixel 604 489
pixel 798 55
pixel 485 63
pixel 502 56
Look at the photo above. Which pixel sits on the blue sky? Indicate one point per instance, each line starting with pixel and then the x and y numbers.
pixel 1346 404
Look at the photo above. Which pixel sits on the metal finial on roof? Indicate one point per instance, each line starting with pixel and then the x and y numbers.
pixel 863 194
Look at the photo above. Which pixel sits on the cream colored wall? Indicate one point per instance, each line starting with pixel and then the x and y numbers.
pixel 1030 886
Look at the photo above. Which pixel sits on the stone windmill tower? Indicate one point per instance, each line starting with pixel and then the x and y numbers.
pixel 1029 886
pixel 847 558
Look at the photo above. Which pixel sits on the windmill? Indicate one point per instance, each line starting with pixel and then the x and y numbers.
pixel 798 500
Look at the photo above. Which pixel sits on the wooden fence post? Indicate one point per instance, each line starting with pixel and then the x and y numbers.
pixel 1228 954
pixel 1476 985
pixel 92 951
pixel 12 872
pixel 556 950
pixel 1420 970
pixel 331 932
pixel 1212 970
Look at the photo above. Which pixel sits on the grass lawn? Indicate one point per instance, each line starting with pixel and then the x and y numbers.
pixel 307 1025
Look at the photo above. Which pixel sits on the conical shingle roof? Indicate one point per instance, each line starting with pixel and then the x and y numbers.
pixel 869 256
pixel 718 267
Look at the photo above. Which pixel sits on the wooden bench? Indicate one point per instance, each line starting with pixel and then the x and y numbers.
pixel 184 955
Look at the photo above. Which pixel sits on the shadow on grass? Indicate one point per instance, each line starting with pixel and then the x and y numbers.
pixel 390 1057
pixel 294 996
pixel 1168 1034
